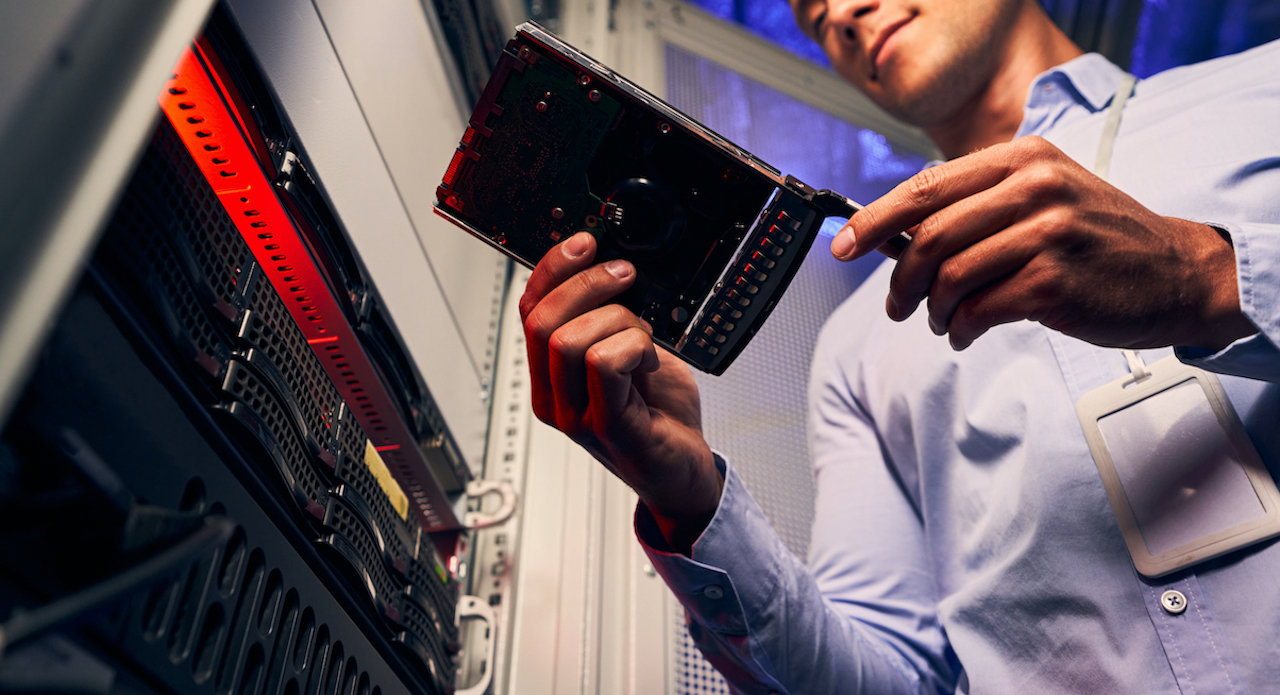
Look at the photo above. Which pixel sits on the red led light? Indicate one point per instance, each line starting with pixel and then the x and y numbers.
pixel 452 172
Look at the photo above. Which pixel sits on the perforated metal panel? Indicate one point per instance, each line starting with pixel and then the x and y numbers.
pixel 756 413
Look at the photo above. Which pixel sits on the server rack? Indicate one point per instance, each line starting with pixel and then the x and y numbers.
pixel 181 388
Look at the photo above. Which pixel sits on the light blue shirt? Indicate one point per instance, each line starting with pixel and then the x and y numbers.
pixel 963 540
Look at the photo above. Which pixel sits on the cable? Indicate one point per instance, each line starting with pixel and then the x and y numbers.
pixel 21 627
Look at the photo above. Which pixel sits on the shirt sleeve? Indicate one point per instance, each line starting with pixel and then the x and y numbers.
pixel 1257 249
pixel 862 621
pixel 757 615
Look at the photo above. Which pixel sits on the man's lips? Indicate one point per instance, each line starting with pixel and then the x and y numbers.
pixel 873 54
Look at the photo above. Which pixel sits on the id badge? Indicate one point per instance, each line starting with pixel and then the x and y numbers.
pixel 1183 478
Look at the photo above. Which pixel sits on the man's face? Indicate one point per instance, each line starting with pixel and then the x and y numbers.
pixel 918 59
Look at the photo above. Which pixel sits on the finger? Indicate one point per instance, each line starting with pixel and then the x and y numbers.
pixel 1019 296
pixel 611 365
pixel 893 249
pixel 559 264
pixel 973 270
pixel 566 300
pixel 569 345
pixel 943 235
pixel 918 197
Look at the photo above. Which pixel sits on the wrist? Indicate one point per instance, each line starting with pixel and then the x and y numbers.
pixel 1222 320
pixel 683 517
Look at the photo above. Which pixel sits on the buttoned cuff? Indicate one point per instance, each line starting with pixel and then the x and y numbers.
pixel 732 576
pixel 730 546
pixel 1257 250
pixel 1254 357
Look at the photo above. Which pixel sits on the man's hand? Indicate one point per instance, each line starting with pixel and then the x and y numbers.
pixel 1020 231
pixel 598 377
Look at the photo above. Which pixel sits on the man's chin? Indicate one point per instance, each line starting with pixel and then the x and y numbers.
pixel 913 107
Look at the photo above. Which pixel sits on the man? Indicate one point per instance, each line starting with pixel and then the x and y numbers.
pixel 963 540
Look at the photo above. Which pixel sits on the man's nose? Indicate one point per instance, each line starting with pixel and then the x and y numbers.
pixel 849 18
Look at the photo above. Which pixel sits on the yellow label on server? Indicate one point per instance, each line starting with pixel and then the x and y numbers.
pixel 373 460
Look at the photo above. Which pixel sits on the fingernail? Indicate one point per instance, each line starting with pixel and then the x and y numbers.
pixel 891 307
pixel 618 268
pixel 577 244
pixel 937 328
pixel 844 242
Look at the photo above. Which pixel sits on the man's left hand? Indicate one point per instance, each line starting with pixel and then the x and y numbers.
pixel 1021 231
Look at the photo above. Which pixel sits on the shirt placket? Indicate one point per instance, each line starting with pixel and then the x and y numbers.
pixel 1177 605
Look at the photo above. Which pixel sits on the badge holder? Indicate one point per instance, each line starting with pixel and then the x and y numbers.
pixel 1183 478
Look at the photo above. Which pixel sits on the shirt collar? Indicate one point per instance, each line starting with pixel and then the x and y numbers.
pixel 1093 77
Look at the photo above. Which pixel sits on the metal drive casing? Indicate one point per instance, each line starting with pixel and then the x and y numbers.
pixel 559 144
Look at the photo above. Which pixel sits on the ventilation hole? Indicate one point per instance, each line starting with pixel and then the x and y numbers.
pixel 232 559
pixel 212 148
pixel 250 681
pixel 260 225
pixel 219 160
pixel 279 257
pixel 177 90
pixel 251 589
pixel 204 133
pixel 335 673
pixel 195 119
pixel 270 603
pixel 211 634
pixel 302 644
pixel 184 616
pixel 251 213
pixel 186 105
pixel 288 615
pixel 154 610
pixel 319 660
pixel 263 235
pixel 284 268
pixel 348 674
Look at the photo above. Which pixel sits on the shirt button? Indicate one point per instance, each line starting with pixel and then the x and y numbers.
pixel 1173 602
pixel 713 592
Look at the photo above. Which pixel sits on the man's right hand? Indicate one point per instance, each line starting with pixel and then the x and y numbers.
pixel 598 377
